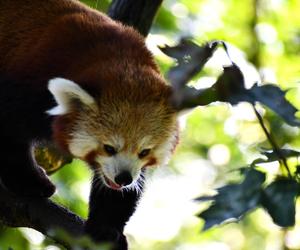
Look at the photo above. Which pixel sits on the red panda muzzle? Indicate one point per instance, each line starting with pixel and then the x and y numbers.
pixel 124 178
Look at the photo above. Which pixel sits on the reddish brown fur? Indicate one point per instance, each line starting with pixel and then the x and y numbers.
pixel 40 40
pixel 90 158
pixel 152 161
pixel 42 37
pixel 61 127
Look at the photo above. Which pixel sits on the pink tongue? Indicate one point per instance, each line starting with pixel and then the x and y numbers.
pixel 112 184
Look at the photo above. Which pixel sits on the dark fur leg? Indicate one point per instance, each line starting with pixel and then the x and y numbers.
pixel 109 212
pixel 19 175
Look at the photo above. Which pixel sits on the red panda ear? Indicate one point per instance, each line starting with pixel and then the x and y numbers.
pixel 65 92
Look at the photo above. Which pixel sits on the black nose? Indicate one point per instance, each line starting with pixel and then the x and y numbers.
pixel 124 178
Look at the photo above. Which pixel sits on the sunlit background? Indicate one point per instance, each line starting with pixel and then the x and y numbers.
pixel 215 140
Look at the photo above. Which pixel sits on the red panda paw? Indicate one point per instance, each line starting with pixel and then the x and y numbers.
pixel 40 188
pixel 37 185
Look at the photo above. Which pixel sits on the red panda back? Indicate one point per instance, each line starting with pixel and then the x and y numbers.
pixel 45 39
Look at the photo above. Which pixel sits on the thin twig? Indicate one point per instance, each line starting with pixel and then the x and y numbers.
pixel 272 142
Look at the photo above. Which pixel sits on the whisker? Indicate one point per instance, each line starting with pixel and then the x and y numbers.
pixel 97 181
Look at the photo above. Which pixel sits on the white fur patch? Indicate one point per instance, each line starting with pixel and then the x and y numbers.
pixel 164 152
pixel 82 143
pixel 145 143
pixel 112 166
pixel 64 91
pixel 116 141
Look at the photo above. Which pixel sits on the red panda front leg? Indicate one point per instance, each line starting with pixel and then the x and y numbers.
pixel 109 211
pixel 19 174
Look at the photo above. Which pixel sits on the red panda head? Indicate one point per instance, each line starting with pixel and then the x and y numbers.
pixel 118 131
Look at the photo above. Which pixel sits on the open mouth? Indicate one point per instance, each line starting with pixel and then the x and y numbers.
pixel 111 184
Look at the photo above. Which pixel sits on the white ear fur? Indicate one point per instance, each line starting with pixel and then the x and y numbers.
pixel 64 91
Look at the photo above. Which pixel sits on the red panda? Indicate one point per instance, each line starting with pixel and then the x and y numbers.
pixel 73 76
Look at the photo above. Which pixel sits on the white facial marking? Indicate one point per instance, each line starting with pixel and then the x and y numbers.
pixel 111 166
pixel 144 143
pixel 64 91
pixel 117 142
pixel 82 143
pixel 164 151
pixel 114 165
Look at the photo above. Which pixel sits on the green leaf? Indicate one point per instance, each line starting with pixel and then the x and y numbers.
pixel 273 156
pixel 274 98
pixel 190 60
pixel 230 87
pixel 279 200
pixel 234 200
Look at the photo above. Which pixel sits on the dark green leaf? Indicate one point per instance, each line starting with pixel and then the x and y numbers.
pixel 279 200
pixel 297 172
pixel 233 201
pixel 274 98
pixel 230 88
pixel 273 156
pixel 190 58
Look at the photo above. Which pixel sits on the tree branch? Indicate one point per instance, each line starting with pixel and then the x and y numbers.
pixel 40 214
pixel 138 14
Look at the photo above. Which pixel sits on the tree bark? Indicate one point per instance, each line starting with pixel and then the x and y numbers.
pixel 40 214
pixel 136 13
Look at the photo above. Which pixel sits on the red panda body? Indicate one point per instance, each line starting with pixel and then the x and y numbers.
pixel 113 111
pixel 41 38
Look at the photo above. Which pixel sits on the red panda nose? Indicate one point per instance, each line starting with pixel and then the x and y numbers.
pixel 124 178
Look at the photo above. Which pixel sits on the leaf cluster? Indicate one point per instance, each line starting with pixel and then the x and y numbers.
pixel 233 201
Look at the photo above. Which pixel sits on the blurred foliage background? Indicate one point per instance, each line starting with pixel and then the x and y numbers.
pixel 215 140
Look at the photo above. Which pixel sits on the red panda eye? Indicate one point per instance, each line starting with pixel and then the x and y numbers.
pixel 144 153
pixel 110 150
